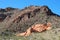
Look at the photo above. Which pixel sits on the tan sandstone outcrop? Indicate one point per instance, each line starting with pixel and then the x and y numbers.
pixel 36 28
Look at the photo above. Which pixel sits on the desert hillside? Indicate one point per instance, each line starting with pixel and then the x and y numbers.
pixel 14 20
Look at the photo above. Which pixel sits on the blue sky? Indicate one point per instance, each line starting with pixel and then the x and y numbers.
pixel 54 5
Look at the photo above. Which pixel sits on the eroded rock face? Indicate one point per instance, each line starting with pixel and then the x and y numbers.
pixel 2 17
pixel 26 13
pixel 36 28
pixel 21 20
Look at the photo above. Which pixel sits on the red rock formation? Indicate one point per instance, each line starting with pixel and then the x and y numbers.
pixel 36 28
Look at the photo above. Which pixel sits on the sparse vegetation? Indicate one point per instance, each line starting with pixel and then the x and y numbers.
pixel 23 19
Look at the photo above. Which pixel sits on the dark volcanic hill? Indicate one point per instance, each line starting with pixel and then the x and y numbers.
pixel 15 20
